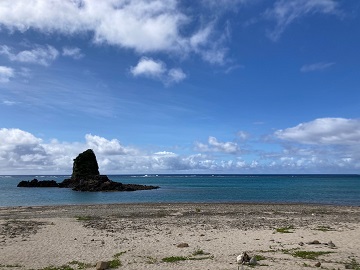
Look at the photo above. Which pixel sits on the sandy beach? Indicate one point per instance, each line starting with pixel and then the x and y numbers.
pixel 180 236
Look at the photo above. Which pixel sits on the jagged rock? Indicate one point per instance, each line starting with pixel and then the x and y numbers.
pixel 85 169
pixel 318 264
pixel 85 165
pixel 37 183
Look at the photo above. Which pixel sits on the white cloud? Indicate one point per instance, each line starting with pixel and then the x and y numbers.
pixel 326 131
pixel 23 153
pixel 149 68
pixel 6 73
pixel 73 52
pixel 316 67
pixel 286 12
pixel 214 145
pixel 15 137
pixel 156 69
pixel 214 52
pixel 106 147
pixel 176 75
pixel 243 135
pixel 42 55
pixel 142 25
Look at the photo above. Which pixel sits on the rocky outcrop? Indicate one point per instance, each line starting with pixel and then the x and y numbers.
pixel 85 171
pixel 86 177
pixel 37 183
pixel 103 183
pixel 85 165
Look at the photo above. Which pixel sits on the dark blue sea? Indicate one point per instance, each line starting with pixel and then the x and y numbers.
pixel 308 189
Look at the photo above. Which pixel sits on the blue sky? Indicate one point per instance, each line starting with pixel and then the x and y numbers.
pixel 168 86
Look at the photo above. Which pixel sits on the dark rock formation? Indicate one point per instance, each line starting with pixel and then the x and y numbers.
pixel 37 183
pixel 85 165
pixel 85 170
pixel 103 183
pixel 86 177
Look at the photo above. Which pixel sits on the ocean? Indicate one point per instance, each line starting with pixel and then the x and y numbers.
pixel 308 189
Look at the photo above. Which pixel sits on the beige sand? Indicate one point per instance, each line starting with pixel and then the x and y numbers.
pixel 39 237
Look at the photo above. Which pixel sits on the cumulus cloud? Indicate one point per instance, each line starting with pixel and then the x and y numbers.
pixel 42 55
pixel 286 12
pixel 326 145
pixel 106 147
pixel 6 73
pixel 316 67
pixel 73 52
pixel 11 138
pixel 142 25
pixel 23 153
pixel 324 131
pixel 214 145
pixel 176 75
pixel 156 69
pixel 20 149
pixel 149 68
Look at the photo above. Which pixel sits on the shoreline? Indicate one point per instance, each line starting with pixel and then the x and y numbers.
pixel 181 203
pixel 111 206
pixel 141 236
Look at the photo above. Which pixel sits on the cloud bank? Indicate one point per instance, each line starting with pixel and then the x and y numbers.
pixel 141 25
pixel 324 145
pixel 324 131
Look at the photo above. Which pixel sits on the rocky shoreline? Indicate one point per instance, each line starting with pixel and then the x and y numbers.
pixel 98 183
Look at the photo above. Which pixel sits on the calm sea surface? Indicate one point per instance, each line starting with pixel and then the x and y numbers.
pixel 318 189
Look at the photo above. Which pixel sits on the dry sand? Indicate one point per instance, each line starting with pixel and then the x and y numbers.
pixel 140 236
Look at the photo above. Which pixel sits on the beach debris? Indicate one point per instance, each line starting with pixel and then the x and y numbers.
pixel 243 258
pixel 253 261
pixel 330 244
pixel 20 228
pixel 183 245
pixel 318 264
pixel 102 265
pixel 315 242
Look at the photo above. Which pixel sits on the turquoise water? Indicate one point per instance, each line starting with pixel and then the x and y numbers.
pixel 318 189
